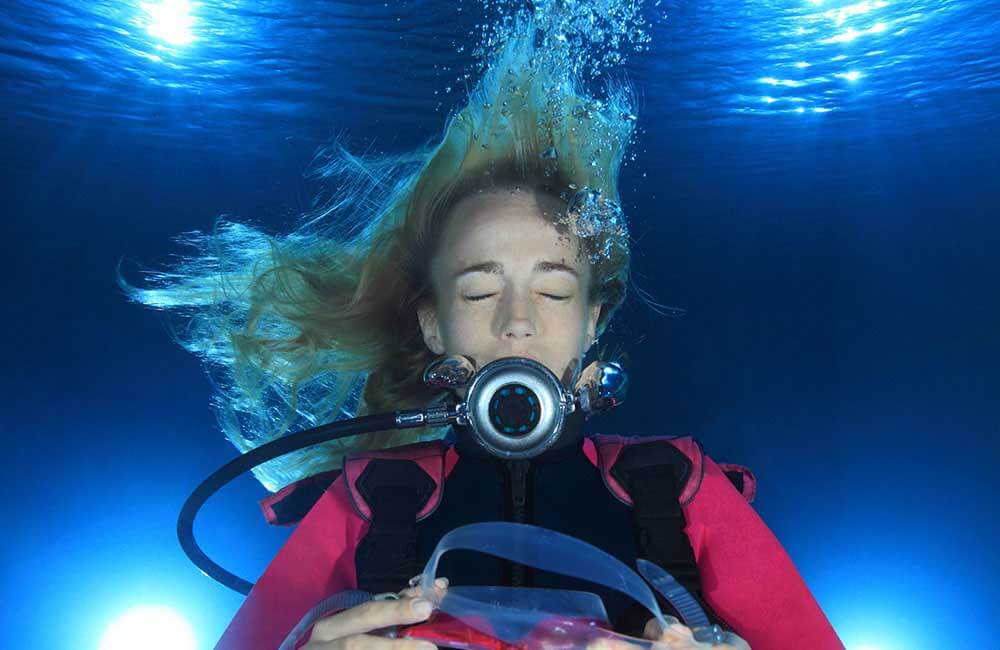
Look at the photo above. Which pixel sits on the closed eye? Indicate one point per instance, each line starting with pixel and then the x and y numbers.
pixel 487 295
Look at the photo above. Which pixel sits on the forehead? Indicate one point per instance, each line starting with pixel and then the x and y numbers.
pixel 507 223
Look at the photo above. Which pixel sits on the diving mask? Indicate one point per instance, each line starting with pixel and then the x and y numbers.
pixel 515 618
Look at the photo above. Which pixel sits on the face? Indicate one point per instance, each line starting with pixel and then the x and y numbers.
pixel 508 283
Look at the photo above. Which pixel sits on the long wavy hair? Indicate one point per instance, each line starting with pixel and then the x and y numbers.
pixel 321 323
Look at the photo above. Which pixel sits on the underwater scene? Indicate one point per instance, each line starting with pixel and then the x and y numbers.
pixel 645 324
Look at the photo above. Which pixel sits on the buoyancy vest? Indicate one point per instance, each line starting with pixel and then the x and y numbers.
pixel 359 529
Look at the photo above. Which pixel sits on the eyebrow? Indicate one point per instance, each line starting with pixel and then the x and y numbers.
pixel 497 268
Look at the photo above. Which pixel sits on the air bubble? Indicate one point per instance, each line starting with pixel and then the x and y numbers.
pixel 589 214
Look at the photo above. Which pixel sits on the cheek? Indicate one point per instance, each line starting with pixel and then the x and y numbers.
pixel 567 334
pixel 573 322
pixel 463 326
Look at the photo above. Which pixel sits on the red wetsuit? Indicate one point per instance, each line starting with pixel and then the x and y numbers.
pixel 746 575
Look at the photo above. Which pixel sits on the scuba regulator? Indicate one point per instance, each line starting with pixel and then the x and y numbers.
pixel 514 407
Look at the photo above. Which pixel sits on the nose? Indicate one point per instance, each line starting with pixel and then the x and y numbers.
pixel 518 319
pixel 518 330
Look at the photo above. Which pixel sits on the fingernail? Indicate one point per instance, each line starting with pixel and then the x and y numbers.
pixel 441 582
pixel 422 607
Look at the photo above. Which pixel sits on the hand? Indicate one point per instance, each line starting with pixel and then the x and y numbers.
pixel 675 637
pixel 349 629
pixel 681 637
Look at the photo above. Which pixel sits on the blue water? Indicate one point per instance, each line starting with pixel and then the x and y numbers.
pixel 838 264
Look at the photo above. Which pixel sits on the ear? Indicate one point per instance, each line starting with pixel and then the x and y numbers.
pixel 427 316
pixel 593 315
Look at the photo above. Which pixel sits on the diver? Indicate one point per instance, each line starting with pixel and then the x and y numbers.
pixel 505 240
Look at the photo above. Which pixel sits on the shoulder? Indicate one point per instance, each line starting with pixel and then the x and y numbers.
pixel 615 455
pixel 291 504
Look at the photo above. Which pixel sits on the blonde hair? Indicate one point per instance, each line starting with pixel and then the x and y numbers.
pixel 321 324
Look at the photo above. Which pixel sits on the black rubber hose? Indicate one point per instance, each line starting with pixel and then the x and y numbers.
pixel 246 462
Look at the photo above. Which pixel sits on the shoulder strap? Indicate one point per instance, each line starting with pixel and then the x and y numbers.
pixel 742 479
pixel 293 502
pixel 658 476
pixel 289 505
pixel 393 489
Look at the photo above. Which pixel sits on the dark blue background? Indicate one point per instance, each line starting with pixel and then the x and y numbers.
pixel 839 270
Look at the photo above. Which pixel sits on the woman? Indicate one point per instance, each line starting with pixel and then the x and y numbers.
pixel 504 240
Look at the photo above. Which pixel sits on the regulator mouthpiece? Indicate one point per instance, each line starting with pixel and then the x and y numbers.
pixel 516 407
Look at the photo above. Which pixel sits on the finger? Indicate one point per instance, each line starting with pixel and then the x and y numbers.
pixel 370 642
pixel 676 637
pixel 440 586
pixel 611 643
pixel 373 615
pixel 654 630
